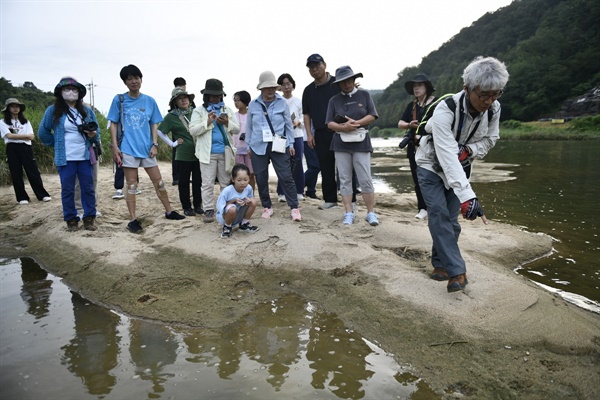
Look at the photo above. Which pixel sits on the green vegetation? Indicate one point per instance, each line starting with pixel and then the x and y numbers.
pixel 37 102
pixel 550 47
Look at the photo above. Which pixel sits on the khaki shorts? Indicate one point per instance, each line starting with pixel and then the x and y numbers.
pixel 134 162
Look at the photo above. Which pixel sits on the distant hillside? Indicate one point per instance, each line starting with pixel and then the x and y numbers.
pixel 551 48
pixel 28 94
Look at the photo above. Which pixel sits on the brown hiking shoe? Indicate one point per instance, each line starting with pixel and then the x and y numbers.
pixel 72 225
pixel 439 274
pixel 457 283
pixel 88 224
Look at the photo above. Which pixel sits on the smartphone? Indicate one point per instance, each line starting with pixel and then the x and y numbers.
pixel 340 119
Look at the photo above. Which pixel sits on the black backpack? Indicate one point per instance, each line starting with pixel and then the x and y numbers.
pixel 448 98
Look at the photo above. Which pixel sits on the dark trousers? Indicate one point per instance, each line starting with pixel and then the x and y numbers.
pixel 312 170
pixel 326 158
pixel 283 169
pixel 297 168
pixel 20 157
pixel 443 208
pixel 119 178
pixel 410 154
pixel 187 168
pixel 176 166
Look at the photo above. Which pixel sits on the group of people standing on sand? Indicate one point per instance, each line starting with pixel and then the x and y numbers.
pixel 328 127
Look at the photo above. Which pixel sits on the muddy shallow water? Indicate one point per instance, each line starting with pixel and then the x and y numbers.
pixel 286 347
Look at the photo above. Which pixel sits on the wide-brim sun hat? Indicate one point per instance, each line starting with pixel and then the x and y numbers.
pixel 213 86
pixel 267 80
pixel 12 100
pixel 419 78
pixel 345 72
pixel 69 81
pixel 178 91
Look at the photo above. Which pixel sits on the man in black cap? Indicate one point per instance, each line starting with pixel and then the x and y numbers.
pixel 315 99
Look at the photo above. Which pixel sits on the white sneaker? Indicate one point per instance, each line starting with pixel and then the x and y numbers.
pixel 22 202
pixel 98 214
pixel 422 214
pixel 300 197
pixel 281 198
pixel 47 198
pixel 118 194
pixel 138 191
pixel 328 205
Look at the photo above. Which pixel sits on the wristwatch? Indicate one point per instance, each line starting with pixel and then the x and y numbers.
pixel 155 144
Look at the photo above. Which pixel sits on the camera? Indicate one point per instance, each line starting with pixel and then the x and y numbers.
pixel 408 138
pixel 87 126
pixel 243 136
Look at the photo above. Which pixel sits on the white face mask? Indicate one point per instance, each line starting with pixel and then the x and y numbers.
pixel 70 96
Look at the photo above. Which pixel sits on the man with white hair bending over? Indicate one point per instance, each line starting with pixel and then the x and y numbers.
pixel 463 128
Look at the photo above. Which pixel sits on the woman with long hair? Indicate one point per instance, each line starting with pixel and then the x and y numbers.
pixel 71 128
pixel 18 134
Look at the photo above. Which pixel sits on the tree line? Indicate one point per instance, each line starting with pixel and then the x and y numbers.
pixel 549 46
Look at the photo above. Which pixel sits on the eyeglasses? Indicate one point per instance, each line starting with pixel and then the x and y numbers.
pixel 487 96
pixel 66 90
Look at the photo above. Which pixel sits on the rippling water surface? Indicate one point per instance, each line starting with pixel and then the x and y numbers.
pixel 555 190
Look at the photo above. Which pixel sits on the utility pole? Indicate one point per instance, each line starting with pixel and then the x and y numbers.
pixel 90 87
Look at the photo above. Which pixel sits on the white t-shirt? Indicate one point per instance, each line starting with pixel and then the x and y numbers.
pixel 23 130
pixel 295 106
pixel 74 140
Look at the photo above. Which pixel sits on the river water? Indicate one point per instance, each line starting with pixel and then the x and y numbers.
pixel 56 345
pixel 554 189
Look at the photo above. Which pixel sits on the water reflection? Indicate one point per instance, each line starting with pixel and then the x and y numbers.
pixel 36 289
pixel 287 348
pixel 92 352
pixel 152 348
pixel 554 190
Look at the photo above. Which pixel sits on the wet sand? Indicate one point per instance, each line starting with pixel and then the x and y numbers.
pixel 503 337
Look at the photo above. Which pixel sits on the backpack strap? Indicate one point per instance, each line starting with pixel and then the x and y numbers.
pixel 452 106
pixel 120 125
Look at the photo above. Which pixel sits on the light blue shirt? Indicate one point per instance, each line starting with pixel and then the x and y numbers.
pixel 139 114
pixel 278 112
pixel 228 194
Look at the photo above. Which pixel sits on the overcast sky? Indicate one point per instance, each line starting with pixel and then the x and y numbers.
pixel 233 41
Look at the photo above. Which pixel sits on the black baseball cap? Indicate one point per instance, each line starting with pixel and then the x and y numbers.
pixel 316 58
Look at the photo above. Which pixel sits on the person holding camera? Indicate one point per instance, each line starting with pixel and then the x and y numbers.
pixel 422 88
pixel 71 128
pixel 17 133
pixel 241 100
pixel 212 125
pixel 270 137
